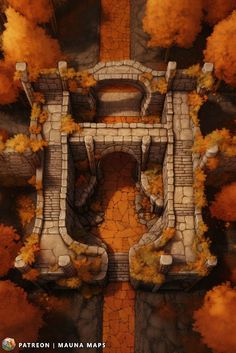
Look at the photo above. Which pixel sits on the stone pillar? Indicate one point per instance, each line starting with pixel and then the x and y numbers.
pixel 210 153
pixel 64 261
pixel 22 68
pixel 89 144
pixel 170 73
pixel 165 263
pixel 146 143
pixel 62 68
pixel 21 265
pixel 207 68
pixel 211 262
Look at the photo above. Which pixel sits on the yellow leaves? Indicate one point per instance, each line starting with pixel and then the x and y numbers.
pixel 195 101
pixel 206 81
pixel 36 184
pixel 145 263
pixel 159 85
pixel 154 176
pixel 199 188
pixel 39 97
pixel 35 112
pixel 43 117
pixel 30 249
pixel 192 71
pixel 19 143
pixel 146 76
pixel 86 79
pixel 80 79
pixel 2 144
pixel 37 145
pixel 25 209
pixel 222 138
pixel 68 125
pixel 78 248
pixel 33 129
pixel 202 229
pixel 72 282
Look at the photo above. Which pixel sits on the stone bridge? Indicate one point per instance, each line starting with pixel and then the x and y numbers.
pixel 168 143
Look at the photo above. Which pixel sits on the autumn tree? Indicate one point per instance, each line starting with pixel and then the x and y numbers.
pixel 221 49
pixel 217 10
pixel 216 319
pixel 38 11
pixel 31 43
pixel 224 205
pixel 172 22
pixel 9 246
pixel 20 319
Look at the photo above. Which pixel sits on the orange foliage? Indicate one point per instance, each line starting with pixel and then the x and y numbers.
pixel 217 10
pixel 216 319
pixel 9 246
pixel 224 205
pixel 38 11
pixel 30 249
pixel 19 143
pixel 199 182
pixel 213 163
pixel 220 42
pixel 22 320
pixel 31 43
pixel 25 209
pixel 172 23
pixel 8 87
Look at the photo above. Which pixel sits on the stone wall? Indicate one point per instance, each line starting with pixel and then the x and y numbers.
pixel 18 165
pixel 120 137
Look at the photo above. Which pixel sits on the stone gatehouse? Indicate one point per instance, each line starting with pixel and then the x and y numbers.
pixel 167 142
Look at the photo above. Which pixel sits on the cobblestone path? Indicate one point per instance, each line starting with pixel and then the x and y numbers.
pixel 115 30
pixel 119 231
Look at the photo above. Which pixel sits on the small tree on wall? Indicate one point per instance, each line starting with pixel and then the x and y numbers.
pixel 221 49
pixel 172 22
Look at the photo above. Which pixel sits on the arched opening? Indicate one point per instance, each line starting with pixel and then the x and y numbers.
pixel 119 100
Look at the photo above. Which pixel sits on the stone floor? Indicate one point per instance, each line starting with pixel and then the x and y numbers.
pixel 121 228
pixel 115 30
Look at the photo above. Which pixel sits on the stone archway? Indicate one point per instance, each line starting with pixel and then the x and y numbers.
pixel 118 98
pixel 124 150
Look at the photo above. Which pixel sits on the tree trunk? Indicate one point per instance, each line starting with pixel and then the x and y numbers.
pixel 167 54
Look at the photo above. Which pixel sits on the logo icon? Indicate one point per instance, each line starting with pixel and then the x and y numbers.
pixel 8 344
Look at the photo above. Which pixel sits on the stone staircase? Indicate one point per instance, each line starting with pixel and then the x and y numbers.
pixel 52 183
pixel 183 170
pixel 118 268
pixel 183 165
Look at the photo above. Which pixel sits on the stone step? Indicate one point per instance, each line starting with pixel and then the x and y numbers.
pixel 118 267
